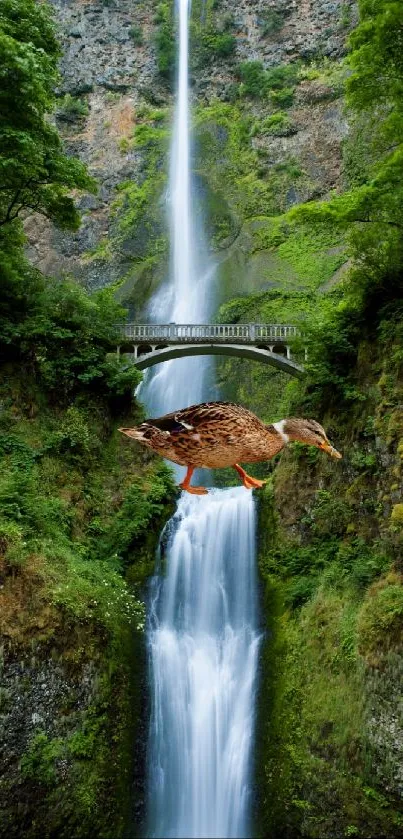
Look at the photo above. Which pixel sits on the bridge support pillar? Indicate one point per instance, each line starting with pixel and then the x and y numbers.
pixel 288 351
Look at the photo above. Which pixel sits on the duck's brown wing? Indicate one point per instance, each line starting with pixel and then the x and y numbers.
pixel 197 416
pixel 205 434
pixel 209 434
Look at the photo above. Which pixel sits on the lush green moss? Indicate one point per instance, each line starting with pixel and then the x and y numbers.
pixel 316 773
pixel 331 570
pixel 80 506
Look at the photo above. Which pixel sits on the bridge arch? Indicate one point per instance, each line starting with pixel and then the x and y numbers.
pixel 265 356
pixel 144 349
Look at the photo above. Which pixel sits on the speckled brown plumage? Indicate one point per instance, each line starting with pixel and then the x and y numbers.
pixel 213 435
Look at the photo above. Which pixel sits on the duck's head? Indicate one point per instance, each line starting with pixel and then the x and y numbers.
pixel 305 431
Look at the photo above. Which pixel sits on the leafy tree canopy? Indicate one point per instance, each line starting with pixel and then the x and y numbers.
pixel 376 57
pixel 35 174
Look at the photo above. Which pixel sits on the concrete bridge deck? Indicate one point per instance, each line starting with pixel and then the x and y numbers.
pixel 150 344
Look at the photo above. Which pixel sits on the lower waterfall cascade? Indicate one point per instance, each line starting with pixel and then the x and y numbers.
pixel 204 641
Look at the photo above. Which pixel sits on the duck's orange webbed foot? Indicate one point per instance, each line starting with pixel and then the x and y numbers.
pixel 194 490
pixel 186 484
pixel 247 480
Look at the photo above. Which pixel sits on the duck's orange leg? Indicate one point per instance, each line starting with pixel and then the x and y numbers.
pixel 247 480
pixel 186 484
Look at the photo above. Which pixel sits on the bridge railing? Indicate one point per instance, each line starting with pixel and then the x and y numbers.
pixel 227 332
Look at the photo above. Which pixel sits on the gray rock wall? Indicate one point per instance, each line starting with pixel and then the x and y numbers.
pixel 104 65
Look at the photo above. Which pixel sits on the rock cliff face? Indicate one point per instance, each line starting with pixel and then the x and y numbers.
pixel 330 749
pixel 114 88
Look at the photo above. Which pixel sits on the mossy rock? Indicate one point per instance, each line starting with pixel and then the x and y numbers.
pixel 397 512
pixel 380 622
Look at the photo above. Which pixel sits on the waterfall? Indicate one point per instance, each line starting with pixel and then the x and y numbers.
pixel 203 649
pixel 187 298
pixel 202 627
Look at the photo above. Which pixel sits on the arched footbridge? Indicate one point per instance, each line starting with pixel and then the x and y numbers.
pixel 150 344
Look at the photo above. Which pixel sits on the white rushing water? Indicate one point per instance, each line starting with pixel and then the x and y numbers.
pixel 187 297
pixel 202 631
pixel 204 645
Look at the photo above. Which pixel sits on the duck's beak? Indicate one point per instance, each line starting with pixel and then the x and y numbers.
pixel 327 447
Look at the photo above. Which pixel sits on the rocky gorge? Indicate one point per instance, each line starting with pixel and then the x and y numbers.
pixel 276 130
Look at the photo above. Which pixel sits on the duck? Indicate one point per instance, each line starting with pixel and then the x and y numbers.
pixel 215 435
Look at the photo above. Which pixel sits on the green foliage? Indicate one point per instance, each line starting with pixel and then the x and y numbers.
pixel 371 210
pixel 35 174
pixel 242 184
pixel 137 512
pixel 278 125
pixel 374 93
pixel 71 108
pixel 140 227
pixel 273 21
pixel 314 735
pixel 165 41
pixel 253 77
pixel 380 619
pixel 136 34
pixel 95 591
pixel 345 16
pixel 397 514
pixel 74 435
pixel 66 335
pixel 38 763
pixel 376 59
pixel 67 501
pixel 278 82
pixel 215 45
pixel 282 98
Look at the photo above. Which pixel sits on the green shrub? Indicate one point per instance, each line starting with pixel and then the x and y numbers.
pixel 278 82
pixel 136 35
pixel 284 75
pixel 227 22
pixel 282 98
pixel 278 125
pixel 165 41
pixel 345 16
pixel 218 45
pixel 74 436
pixel 253 78
pixel 72 108
pixel 39 761
pixel 272 21
pixel 299 591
